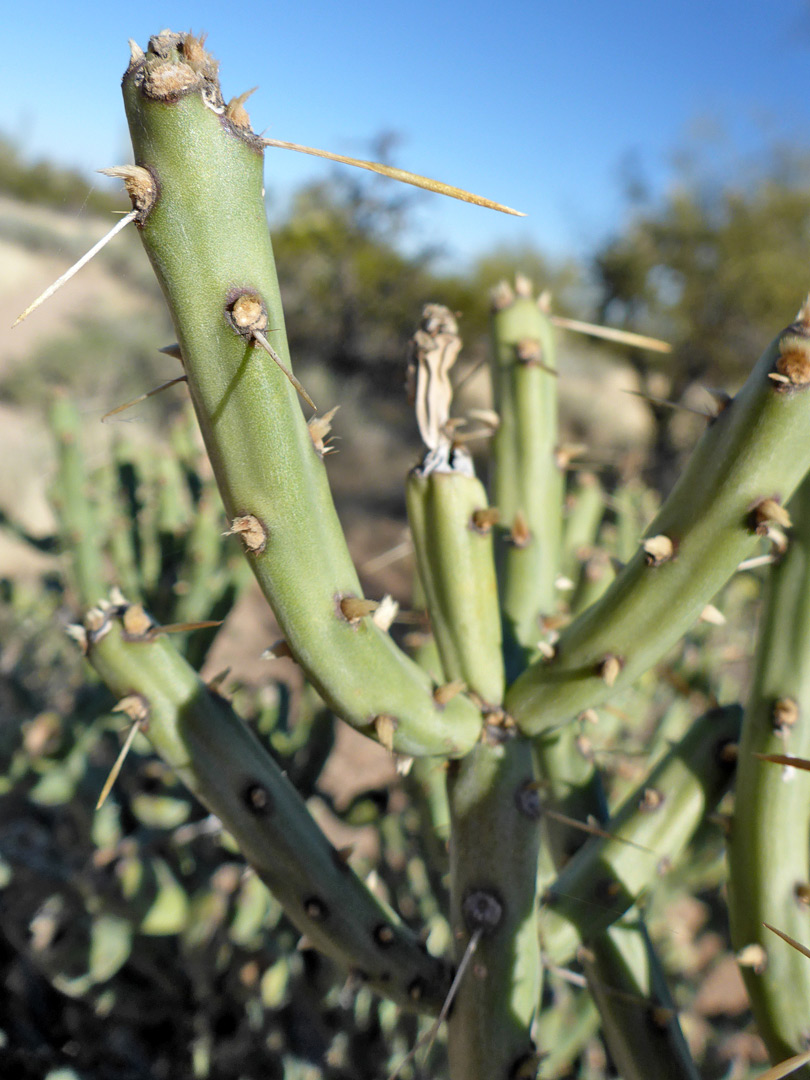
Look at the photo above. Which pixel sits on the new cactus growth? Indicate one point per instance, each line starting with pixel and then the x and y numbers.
pixel 542 871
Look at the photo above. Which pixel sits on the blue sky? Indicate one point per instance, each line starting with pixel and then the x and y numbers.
pixel 535 104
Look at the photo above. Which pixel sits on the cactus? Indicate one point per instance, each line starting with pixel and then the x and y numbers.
pixel 768 849
pixel 495 709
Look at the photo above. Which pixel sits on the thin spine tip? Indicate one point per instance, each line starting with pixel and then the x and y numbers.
pixel 259 337
pixel 236 112
pixel 393 173
pixel 136 53
pixel 68 274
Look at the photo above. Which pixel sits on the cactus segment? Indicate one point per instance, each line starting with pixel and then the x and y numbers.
pixel 457 569
pixel 624 973
pixel 758 448
pixel 639 1018
pixel 569 785
pixel 768 850
pixel 647 835
pixel 494 808
pixel 206 236
pixel 585 509
pixel 78 517
pixel 526 485
pixel 198 735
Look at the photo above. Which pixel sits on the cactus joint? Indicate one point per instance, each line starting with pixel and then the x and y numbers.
pixel 137 624
pixel 257 799
pixel 658 550
pixel 355 608
pixel 527 800
pixel 521 534
pixel 482 910
pixel 251 531
pixel 610 668
pixel 482 520
pixel 316 909
pixel 141 184
pixel 793 363
pixel 247 313
pixel 784 715
pixel 383 935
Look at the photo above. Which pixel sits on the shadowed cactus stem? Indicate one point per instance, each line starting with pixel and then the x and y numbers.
pixel 198 735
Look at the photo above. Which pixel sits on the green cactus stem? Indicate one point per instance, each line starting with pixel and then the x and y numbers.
pixel 585 508
pixel 527 484
pixel 198 188
pixel 79 523
pixel 748 462
pixel 452 538
pixel 639 1018
pixel 494 808
pixel 768 849
pixel 571 786
pixel 451 525
pixel 624 973
pixel 223 764
pixel 644 838
pixel 492 795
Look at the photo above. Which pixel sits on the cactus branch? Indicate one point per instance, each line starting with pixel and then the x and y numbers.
pixel 207 238
pixel 607 875
pixel 758 447
pixel 768 850
pixel 220 760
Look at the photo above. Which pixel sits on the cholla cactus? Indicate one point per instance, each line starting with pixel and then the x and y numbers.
pixel 500 701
